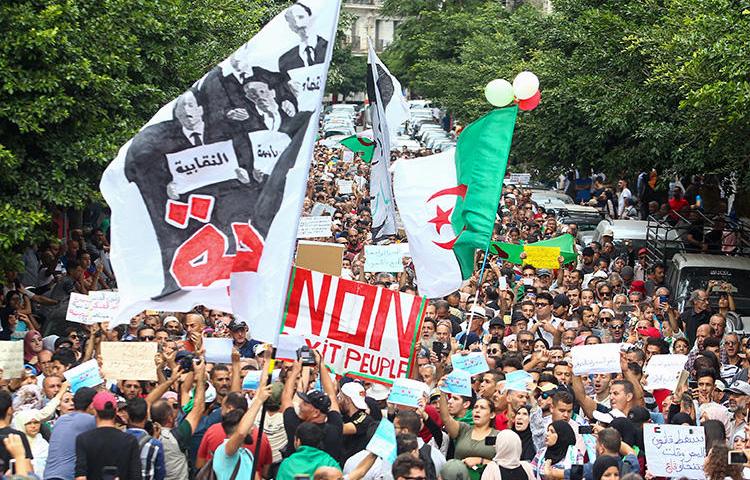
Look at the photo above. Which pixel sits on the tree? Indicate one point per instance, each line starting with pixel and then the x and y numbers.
pixel 80 78
pixel 347 72
pixel 625 85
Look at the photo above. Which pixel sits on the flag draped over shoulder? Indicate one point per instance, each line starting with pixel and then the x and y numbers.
pixel 448 201
pixel 205 199
pixel 389 110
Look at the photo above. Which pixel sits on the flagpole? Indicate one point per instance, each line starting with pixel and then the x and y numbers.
pixel 269 372
pixel 476 295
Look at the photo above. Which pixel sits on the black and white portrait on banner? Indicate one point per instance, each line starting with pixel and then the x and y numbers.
pixel 212 167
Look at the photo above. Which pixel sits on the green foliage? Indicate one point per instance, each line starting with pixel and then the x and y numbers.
pixel 78 78
pixel 347 72
pixel 625 85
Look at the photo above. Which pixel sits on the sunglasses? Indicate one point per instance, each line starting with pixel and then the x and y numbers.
pixel 147 338
pixel 614 326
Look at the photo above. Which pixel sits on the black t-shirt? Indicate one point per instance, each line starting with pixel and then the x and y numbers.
pixel 357 442
pixel 4 455
pixel 333 432
pixel 107 447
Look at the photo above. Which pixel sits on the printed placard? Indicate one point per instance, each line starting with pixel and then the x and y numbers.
pixel 601 358
pixel 518 381
pixel 542 257
pixel 407 392
pixel 384 258
pixel 664 371
pixel 202 165
pixel 268 146
pixel 383 441
pixel 252 380
pixel 321 208
pixel 675 451
pixel 85 375
pixel 313 227
pixel 458 382
pixel 474 363
pixel 11 359
pixel 345 186
pixel 129 360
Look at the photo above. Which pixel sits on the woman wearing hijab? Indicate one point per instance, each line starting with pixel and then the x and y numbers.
pixel 29 422
pixel 606 467
pixel 522 427
pixel 507 464
pixel 32 345
pixel 560 437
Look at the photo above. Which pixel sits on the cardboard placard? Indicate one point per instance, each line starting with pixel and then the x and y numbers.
pixel 320 257
pixel 664 371
pixel 129 360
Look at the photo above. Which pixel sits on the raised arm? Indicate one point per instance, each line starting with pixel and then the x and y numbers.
pixel 451 425
pixel 587 403
pixel 236 385
pixel 163 387
pixel 290 386
pixel 199 398
pixel 248 419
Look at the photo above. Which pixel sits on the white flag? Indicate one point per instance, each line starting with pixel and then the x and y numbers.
pixel 389 110
pixel 209 192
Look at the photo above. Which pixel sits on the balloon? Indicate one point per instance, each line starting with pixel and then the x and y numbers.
pixel 530 103
pixel 499 92
pixel 525 85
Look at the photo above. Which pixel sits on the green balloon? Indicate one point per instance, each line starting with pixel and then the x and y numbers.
pixel 499 92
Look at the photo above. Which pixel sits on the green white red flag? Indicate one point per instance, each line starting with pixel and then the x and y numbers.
pixel 448 201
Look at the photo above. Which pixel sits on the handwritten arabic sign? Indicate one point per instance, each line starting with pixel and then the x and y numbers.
pixel 384 258
pixel 602 358
pixel 664 371
pixel 345 186
pixel 542 257
pixel 674 450
pixel 321 208
pixel 267 148
pixel 11 359
pixel 97 306
pixel 202 165
pixel 129 360
pixel 313 227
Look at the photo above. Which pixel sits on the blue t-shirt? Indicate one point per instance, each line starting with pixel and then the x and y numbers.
pixel 224 466
pixel 61 459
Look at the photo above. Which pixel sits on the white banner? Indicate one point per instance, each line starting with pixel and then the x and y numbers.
pixel 601 358
pixel 674 451
pixel 205 199
pixel 314 227
pixel 389 110
pixel 384 258
pixel 360 329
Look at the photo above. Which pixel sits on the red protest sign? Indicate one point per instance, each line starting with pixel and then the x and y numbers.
pixel 360 329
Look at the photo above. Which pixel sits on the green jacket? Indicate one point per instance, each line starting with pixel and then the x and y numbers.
pixel 304 461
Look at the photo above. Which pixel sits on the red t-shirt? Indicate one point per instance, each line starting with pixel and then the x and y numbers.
pixel 676 206
pixel 501 421
pixel 215 436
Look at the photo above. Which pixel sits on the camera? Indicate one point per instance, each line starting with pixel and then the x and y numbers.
pixel 585 429
pixel 306 357
pixel 736 457
pixel 490 441
pixel 186 360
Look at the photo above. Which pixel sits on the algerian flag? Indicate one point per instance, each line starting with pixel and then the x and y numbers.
pixel 511 252
pixel 389 110
pixel 360 144
pixel 448 202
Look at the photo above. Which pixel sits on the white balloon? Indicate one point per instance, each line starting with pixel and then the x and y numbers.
pixel 499 92
pixel 525 85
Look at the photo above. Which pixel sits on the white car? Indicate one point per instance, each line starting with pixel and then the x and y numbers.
pixel 550 198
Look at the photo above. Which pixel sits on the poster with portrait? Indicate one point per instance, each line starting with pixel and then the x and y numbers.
pixel 206 198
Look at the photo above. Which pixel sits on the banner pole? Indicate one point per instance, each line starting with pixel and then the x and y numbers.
pixel 476 295
pixel 256 454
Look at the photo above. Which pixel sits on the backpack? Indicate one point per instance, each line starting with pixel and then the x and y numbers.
pixel 425 454
pixel 207 471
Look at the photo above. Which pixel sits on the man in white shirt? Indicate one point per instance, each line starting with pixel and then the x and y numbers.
pixel 623 196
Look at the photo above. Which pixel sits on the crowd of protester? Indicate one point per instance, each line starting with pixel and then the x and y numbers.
pixel 196 421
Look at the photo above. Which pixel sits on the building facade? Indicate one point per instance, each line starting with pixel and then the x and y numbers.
pixel 369 22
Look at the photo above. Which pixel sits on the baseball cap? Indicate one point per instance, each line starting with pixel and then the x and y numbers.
pixel 317 399
pixel 652 332
pixel 497 322
pixel 378 391
pixel 642 251
pixel 638 286
pixel 720 385
pixel 639 415
pixel 236 325
pixel 739 388
pixel 608 233
pixel 102 400
pixel 542 272
pixel 356 393
pixel 84 396
pixel 561 300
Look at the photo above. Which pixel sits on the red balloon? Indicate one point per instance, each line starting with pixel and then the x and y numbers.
pixel 530 103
